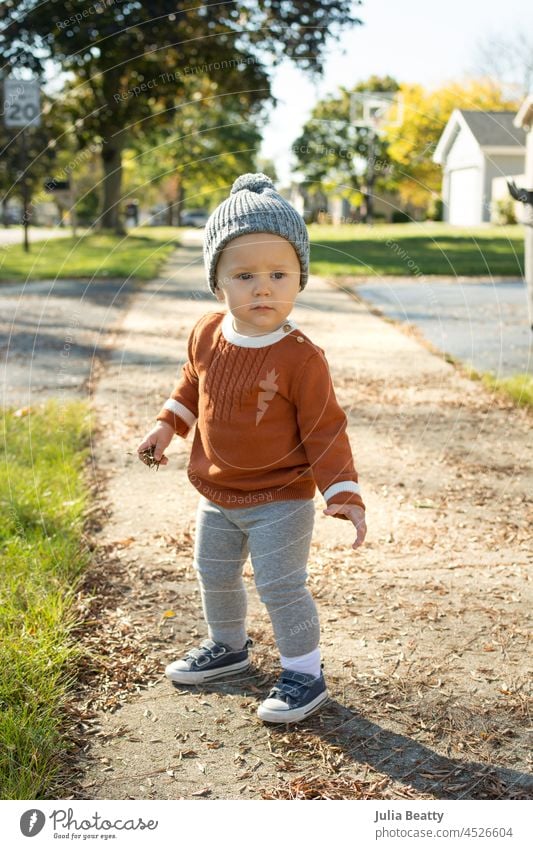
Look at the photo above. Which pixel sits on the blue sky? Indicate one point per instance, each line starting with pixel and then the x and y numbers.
pixel 422 41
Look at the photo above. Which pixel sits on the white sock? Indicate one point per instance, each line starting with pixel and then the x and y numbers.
pixel 309 663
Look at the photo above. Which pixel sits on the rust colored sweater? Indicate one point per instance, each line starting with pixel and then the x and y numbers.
pixel 268 424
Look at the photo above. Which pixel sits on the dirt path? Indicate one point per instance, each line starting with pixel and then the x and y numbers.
pixel 424 628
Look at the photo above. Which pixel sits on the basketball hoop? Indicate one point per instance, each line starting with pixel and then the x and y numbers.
pixel 373 109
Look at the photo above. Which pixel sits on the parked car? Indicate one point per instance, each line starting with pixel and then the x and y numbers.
pixel 194 217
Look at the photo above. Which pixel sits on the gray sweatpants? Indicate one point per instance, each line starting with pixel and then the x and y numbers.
pixel 277 535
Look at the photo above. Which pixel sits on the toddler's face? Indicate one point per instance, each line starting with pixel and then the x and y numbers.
pixel 258 270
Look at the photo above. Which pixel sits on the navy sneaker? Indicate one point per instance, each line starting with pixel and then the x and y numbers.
pixel 294 696
pixel 211 660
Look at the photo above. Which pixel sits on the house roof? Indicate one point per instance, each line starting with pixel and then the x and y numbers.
pixel 494 128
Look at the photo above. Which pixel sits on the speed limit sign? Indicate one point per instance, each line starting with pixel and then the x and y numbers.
pixel 22 103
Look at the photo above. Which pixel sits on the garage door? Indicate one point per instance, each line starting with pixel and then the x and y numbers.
pixel 465 196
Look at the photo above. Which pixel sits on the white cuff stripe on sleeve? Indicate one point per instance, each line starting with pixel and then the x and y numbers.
pixel 181 411
pixel 342 486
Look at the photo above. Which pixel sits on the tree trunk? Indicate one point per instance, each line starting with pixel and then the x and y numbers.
pixel 169 213
pixel 111 216
pixel 179 201
pixel 5 218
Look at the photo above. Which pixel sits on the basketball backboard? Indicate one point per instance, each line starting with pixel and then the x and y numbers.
pixel 375 108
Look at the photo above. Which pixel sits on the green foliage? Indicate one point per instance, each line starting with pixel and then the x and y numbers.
pixel 518 387
pixel 435 210
pixel 32 158
pixel 87 208
pixel 131 65
pixel 399 217
pixel 331 153
pixel 505 211
pixel 43 496
pixel 190 165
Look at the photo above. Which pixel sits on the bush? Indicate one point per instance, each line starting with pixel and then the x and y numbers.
pixel 436 210
pixel 399 217
pixel 504 211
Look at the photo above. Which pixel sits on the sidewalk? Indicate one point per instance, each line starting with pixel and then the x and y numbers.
pixel 424 631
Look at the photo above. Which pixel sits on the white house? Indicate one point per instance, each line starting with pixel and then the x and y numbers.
pixel 474 148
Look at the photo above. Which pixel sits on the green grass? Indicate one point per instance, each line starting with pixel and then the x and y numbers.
pixel 519 387
pixel 394 249
pixel 42 498
pixel 415 249
pixel 139 254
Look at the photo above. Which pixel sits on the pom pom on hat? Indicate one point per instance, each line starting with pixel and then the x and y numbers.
pixel 252 182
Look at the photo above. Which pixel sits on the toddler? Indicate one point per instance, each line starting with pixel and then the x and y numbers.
pixel 268 430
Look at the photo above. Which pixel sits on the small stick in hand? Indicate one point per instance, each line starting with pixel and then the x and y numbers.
pixel 147 456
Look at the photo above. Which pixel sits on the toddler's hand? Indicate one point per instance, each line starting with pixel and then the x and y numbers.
pixel 159 437
pixel 355 514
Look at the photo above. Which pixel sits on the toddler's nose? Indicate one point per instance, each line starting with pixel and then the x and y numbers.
pixel 262 283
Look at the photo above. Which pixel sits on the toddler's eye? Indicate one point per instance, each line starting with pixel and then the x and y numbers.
pixel 245 275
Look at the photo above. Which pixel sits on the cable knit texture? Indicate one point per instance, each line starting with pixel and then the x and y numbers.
pixel 254 206
pixel 268 426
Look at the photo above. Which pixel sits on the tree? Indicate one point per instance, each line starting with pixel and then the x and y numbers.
pixel 118 51
pixel 335 156
pixel 185 159
pixel 507 62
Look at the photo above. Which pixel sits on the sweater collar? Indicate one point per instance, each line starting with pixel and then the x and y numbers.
pixel 231 335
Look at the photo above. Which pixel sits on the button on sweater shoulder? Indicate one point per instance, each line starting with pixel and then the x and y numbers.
pixel 267 424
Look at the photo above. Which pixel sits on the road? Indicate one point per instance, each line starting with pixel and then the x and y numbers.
pixel 483 324
pixel 54 334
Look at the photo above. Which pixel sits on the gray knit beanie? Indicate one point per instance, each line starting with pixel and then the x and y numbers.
pixel 254 206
